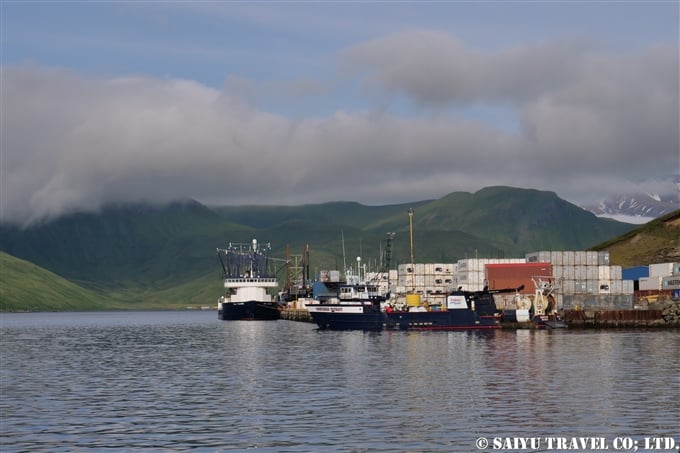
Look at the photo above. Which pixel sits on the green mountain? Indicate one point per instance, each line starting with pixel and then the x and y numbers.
pixel 657 241
pixel 27 287
pixel 160 256
pixel 126 245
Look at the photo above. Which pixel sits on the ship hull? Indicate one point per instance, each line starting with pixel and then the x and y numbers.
pixel 343 317
pixel 442 320
pixel 249 311
pixel 347 317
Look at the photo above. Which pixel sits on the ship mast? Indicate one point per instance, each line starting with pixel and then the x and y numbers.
pixel 410 230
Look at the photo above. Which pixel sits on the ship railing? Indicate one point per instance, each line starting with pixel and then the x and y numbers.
pixel 251 280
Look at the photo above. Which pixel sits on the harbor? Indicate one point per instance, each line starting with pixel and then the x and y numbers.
pixel 580 289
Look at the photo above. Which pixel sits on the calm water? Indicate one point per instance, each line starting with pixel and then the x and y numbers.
pixel 176 381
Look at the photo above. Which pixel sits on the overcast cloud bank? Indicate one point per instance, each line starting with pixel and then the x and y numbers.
pixel 584 122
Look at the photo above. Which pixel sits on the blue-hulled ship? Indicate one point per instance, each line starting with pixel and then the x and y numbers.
pixel 464 310
pixel 360 309
pixel 349 304
pixel 246 283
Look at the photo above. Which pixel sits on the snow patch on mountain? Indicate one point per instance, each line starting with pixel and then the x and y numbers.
pixel 636 208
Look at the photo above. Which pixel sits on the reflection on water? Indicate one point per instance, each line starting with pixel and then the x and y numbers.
pixel 184 380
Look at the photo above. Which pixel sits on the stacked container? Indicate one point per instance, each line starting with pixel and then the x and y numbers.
pixel 587 279
pixel 432 281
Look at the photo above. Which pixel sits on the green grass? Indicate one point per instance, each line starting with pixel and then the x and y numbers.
pixel 27 287
pixel 655 242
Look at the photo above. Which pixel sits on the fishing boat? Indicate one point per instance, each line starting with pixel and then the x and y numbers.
pixel 246 282
pixel 464 310
pixel 361 309
pixel 349 304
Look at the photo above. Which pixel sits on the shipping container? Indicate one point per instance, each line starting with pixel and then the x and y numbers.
pixel 603 273
pixel 512 275
pixel 603 258
pixel 628 286
pixel 580 258
pixel 556 258
pixel 567 286
pixel 604 287
pixel 661 270
pixel 591 258
pixel 672 282
pixel 650 283
pixel 635 273
pixel 444 268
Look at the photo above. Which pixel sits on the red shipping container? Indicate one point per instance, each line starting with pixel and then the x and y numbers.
pixel 512 275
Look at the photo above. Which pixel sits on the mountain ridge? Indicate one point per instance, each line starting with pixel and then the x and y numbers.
pixel 141 253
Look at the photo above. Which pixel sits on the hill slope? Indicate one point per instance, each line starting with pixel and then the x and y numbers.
pixel 128 245
pixel 27 287
pixel 655 242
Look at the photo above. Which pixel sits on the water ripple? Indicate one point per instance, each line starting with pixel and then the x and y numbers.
pixel 168 381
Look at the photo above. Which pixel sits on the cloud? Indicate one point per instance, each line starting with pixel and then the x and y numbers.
pixel 591 122
pixel 436 68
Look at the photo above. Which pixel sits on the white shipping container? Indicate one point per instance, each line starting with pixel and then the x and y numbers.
pixel 444 268
pixel 580 258
pixel 592 272
pixel 650 283
pixel 537 257
pixel 603 258
pixel 672 282
pixel 603 273
pixel 580 287
pixel 616 272
pixel 628 286
pixel 405 269
pixel 592 286
pixel 661 270
pixel 591 258
pixel 556 258
pixel 580 272
pixel 472 281
pixel 568 258
pixel 604 286
pixel 567 286
pixel 616 286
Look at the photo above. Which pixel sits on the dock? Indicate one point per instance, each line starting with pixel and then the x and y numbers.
pixel 668 317
pixel 296 314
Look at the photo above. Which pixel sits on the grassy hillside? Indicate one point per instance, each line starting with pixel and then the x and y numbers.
pixel 145 246
pixel 513 221
pixel 27 287
pixel 655 242
pixel 348 214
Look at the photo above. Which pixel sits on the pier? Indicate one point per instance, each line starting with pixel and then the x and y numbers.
pixel 668 317
pixel 296 314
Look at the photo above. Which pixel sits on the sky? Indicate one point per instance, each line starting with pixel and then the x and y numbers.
pixel 297 102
